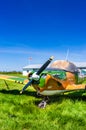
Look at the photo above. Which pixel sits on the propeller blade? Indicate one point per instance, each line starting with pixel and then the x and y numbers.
pixel 44 65
pixel 38 73
pixel 27 85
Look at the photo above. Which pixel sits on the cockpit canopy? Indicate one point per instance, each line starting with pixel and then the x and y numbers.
pixel 64 65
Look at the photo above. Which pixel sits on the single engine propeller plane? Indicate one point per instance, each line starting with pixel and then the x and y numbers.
pixel 60 77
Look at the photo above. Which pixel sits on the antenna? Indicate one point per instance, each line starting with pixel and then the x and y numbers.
pixel 30 58
pixel 67 55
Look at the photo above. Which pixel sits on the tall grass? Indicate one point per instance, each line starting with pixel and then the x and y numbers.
pixel 21 112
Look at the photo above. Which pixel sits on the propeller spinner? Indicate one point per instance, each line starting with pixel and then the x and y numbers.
pixel 42 68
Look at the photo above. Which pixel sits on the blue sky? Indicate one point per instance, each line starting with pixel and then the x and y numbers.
pixel 39 29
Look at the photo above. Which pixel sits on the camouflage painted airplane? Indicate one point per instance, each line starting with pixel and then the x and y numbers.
pixel 60 77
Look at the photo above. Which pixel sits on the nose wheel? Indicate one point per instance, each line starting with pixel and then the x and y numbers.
pixel 43 103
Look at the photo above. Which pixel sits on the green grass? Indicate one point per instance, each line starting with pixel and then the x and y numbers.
pixel 20 112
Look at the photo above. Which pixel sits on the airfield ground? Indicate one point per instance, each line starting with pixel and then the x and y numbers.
pixel 20 112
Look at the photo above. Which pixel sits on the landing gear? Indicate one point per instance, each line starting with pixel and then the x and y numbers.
pixel 43 103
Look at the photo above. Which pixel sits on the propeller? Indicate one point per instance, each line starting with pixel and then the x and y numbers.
pixel 42 68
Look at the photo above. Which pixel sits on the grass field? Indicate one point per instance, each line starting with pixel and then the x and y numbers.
pixel 20 112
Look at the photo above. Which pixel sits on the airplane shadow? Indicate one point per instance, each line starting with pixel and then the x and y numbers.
pixel 17 92
pixel 73 96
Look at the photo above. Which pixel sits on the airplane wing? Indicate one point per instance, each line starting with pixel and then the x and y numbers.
pixel 14 79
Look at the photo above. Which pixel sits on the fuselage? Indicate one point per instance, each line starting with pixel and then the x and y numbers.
pixel 51 84
pixel 62 77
